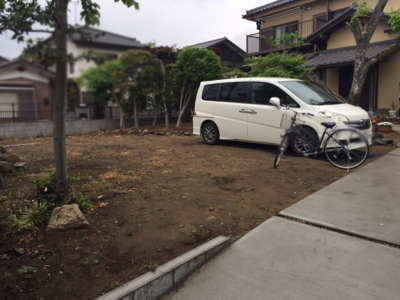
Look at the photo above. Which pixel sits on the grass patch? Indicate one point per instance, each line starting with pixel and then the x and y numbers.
pixel 47 199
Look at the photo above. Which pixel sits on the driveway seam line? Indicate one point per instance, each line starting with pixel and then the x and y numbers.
pixel 340 231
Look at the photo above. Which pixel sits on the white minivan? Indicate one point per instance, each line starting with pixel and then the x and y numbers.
pixel 240 109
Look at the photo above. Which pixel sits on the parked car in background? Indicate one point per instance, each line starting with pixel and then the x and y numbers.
pixel 240 109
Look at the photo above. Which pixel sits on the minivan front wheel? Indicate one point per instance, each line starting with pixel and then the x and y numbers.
pixel 304 141
pixel 210 133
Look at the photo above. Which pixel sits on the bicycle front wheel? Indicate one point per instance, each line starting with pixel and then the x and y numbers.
pixel 346 148
pixel 281 150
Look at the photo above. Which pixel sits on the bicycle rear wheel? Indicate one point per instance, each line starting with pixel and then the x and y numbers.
pixel 346 148
pixel 281 150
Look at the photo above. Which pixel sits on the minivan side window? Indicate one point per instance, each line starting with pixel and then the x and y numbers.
pixel 239 92
pixel 211 92
pixel 263 91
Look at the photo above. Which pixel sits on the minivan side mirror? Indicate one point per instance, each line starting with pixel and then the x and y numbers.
pixel 275 101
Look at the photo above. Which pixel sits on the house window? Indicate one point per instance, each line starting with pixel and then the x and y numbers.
pixel 275 34
pixel 320 20
pixel 322 75
pixel 71 67
pixel 283 30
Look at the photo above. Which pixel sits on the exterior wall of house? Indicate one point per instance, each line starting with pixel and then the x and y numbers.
pixel 332 79
pixel 82 65
pixel 305 10
pixel 343 37
pixel 389 82
pixel 300 11
pixel 42 95
pixel 13 74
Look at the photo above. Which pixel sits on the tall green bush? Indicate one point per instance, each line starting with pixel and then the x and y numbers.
pixel 193 66
pixel 280 65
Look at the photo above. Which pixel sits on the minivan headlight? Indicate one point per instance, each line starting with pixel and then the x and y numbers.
pixel 340 119
pixel 335 117
pixel 325 114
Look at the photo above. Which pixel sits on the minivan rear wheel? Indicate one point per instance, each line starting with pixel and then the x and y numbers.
pixel 210 133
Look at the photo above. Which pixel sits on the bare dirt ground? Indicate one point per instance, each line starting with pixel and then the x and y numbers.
pixel 155 197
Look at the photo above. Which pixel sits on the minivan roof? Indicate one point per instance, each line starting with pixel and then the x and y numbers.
pixel 266 79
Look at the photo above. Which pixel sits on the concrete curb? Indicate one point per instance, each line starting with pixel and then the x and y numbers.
pixel 153 285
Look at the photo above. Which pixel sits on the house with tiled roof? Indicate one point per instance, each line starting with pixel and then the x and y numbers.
pixel 329 45
pixel 25 91
pixel 26 86
pixel 230 53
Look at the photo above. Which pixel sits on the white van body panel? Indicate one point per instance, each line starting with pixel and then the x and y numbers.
pixel 265 123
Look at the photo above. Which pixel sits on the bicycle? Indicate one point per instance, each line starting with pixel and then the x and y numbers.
pixel 344 148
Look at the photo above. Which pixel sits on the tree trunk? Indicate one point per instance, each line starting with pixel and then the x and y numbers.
pixel 155 118
pixel 363 30
pixel 60 95
pixel 121 116
pixel 361 68
pixel 184 102
pixel 179 120
pixel 163 91
pixel 166 116
pixel 181 105
pixel 135 114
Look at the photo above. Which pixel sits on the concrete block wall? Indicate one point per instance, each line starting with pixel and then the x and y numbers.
pixel 45 128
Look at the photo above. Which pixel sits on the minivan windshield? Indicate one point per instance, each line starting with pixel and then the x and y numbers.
pixel 311 93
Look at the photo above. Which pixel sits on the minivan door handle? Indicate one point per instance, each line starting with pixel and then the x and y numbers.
pixel 247 111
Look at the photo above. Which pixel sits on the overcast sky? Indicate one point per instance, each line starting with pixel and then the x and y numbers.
pixel 168 22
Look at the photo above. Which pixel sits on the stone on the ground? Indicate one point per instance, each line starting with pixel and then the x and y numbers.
pixel 187 133
pixel 67 217
pixel 2 149
pixel 6 167
pixel 11 158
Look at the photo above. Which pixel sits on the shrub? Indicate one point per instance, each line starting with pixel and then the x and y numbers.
pixel 84 202
pixel 47 199
pixel 36 216
pixel 394 20
pixel 363 10
pixel 47 192
pixel 280 65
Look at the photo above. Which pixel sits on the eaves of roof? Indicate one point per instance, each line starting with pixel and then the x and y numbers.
pixel 250 13
pixel 346 55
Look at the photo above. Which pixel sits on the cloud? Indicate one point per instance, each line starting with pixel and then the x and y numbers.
pixel 169 22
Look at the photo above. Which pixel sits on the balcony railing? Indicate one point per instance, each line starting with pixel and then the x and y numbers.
pixel 266 40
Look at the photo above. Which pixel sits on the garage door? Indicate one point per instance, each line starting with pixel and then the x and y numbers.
pixel 18 104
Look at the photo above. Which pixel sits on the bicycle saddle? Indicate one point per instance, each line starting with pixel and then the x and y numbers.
pixel 328 124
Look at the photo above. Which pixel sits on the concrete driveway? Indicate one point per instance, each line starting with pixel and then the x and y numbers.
pixel 342 242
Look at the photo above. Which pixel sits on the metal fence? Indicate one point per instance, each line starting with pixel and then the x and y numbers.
pixel 11 116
